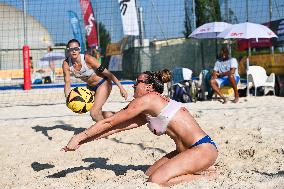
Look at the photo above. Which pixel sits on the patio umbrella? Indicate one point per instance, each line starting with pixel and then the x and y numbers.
pixel 209 30
pixel 247 30
pixel 49 57
pixel 52 56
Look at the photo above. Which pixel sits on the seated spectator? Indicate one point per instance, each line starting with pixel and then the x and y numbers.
pixel 225 73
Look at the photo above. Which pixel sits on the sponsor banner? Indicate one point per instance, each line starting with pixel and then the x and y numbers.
pixel 243 43
pixel 115 63
pixel 278 27
pixel 77 32
pixel 129 17
pixel 90 23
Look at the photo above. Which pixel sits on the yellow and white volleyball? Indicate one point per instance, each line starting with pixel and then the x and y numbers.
pixel 80 100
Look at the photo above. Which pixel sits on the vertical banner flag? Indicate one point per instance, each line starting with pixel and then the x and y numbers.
pixel 74 21
pixel 129 17
pixel 90 23
pixel 115 63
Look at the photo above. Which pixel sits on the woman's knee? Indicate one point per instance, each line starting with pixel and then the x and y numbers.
pixel 212 82
pixel 150 170
pixel 158 178
pixel 96 114
pixel 107 114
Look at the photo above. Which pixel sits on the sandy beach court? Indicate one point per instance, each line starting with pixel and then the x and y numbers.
pixel 249 134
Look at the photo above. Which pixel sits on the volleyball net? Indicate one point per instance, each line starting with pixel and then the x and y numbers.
pixel 132 36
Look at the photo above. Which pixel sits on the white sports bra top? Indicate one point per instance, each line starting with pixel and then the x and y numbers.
pixel 158 125
pixel 85 72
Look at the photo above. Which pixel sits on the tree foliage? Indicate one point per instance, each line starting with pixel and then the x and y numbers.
pixel 187 26
pixel 207 11
pixel 104 37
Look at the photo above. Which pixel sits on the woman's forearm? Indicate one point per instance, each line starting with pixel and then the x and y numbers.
pixel 90 135
pixel 108 132
pixel 227 73
pixel 67 80
pixel 67 89
pixel 98 128
pixel 112 77
pixel 97 131
pixel 115 80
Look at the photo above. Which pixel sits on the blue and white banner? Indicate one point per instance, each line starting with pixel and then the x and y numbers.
pixel 115 63
pixel 77 32
pixel 129 17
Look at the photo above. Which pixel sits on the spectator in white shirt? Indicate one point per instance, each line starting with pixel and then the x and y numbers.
pixel 225 73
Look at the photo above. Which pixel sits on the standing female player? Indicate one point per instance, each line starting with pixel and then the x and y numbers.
pixel 89 70
pixel 195 150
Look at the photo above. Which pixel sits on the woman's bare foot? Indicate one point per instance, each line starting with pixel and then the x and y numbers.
pixel 225 100
pixel 235 100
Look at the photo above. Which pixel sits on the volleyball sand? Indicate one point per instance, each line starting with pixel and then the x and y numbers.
pixel 249 135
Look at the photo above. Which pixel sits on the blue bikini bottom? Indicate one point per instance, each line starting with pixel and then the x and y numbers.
pixel 94 88
pixel 205 139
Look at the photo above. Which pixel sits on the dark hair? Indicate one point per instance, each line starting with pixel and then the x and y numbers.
pixel 49 48
pixel 157 79
pixel 224 51
pixel 72 41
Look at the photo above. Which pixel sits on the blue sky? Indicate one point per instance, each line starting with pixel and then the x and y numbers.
pixel 53 15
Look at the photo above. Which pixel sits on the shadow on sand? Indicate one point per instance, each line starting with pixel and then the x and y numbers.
pixel 63 126
pixel 100 163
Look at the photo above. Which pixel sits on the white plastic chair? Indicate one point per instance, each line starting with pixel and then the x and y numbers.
pixel 257 76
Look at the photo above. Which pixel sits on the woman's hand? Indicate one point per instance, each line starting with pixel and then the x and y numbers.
pixel 123 93
pixel 73 144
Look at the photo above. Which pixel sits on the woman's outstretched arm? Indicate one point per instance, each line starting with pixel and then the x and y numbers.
pixel 125 119
pixel 127 125
pixel 67 80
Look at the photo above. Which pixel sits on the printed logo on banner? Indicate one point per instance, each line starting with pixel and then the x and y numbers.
pixel 89 27
pixel 90 23
pixel 280 31
pixel 123 6
pixel 115 63
pixel 129 17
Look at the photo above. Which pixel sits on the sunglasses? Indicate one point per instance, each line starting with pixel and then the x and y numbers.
pixel 73 49
pixel 139 81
